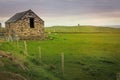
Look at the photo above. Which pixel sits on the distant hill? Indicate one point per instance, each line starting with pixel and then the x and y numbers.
pixel 81 29
pixel 115 26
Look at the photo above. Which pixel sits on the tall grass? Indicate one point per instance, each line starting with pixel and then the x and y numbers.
pixel 87 56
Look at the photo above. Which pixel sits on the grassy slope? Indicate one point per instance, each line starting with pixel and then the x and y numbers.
pixel 87 57
pixel 35 70
pixel 81 29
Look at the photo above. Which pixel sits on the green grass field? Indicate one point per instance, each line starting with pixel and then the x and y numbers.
pixel 87 56
pixel 82 29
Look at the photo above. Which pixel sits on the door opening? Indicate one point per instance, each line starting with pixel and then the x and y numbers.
pixel 31 22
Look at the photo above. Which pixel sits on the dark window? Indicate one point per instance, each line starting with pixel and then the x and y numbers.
pixel 31 22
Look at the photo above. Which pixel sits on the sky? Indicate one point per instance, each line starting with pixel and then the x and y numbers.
pixel 65 12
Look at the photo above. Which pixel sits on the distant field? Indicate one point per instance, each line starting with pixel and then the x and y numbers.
pixel 82 29
pixel 87 56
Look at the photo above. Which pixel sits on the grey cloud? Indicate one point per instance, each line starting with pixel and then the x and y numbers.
pixel 61 7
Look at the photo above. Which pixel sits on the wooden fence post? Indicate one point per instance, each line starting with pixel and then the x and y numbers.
pixel 25 46
pixel 39 48
pixel 17 40
pixel 62 63
pixel 118 76
pixel 17 43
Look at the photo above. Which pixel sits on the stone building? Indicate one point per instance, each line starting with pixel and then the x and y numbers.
pixel 25 26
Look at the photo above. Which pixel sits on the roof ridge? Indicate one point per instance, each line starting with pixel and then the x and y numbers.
pixel 17 16
pixel 23 11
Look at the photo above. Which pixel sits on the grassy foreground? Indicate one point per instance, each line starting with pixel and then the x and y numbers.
pixel 87 57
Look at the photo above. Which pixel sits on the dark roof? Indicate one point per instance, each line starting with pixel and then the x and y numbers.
pixel 17 16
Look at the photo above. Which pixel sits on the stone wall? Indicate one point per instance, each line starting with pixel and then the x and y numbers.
pixel 22 29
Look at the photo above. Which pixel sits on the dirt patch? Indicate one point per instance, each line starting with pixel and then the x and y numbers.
pixel 13 59
pixel 1 64
pixel 1 40
pixel 10 76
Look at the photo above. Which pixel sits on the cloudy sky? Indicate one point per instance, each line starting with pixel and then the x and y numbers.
pixel 66 12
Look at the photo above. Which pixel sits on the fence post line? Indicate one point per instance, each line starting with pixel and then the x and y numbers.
pixel 25 46
pixel 62 62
